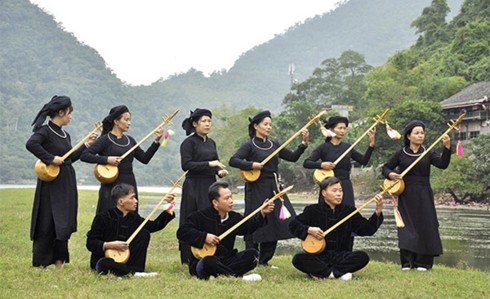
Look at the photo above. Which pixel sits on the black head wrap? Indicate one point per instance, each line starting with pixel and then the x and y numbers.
pixel 194 116
pixel 114 113
pixel 408 129
pixel 334 120
pixel 56 104
pixel 256 120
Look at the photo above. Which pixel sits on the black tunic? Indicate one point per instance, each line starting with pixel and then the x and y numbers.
pixel 112 226
pixel 322 216
pixel 328 152
pixel 416 203
pixel 200 223
pixel 109 145
pixel 195 154
pixel 61 193
pixel 263 188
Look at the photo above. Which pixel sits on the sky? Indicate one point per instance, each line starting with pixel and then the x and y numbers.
pixel 143 41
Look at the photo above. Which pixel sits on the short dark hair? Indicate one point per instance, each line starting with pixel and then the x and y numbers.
pixel 213 192
pixel 328 181
pixel 120 190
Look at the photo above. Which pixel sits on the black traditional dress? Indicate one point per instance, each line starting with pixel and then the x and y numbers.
pixel 256 150
pixel 113 226
pixel 338 257
pixel 54 213
pixel 416 203
pixel 109 145
pixel 328 152
pixel 195 154
pixel 226 260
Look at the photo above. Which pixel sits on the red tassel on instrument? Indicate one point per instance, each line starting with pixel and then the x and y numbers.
pixel 170 208
pixel 459 146
pixel 166 136
pixel 459 149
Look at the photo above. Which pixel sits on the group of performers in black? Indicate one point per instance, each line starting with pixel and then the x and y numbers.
pixel 206 208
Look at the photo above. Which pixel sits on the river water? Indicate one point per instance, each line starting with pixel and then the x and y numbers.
pixel 465 234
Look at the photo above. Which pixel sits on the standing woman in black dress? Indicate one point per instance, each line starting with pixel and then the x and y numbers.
pixel 199 156
pixel 112 144
pixel 248 157
pixel 54 213
pixel 325 154
pixel 419 241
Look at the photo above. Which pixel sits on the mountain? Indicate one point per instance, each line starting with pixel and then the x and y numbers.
pixel 375 28
pixel 38 59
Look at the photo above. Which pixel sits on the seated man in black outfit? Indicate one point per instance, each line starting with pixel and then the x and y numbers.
pixel 111 229
pixel 337 260
pixel 204 226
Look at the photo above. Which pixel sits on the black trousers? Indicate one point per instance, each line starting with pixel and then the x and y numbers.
pixel 410 259
pixel 266 249
pixel 46 249
pixel 137 258
pixel 234 265
pixel 328 262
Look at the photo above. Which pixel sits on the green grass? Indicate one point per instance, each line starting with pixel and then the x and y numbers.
pixel 76 280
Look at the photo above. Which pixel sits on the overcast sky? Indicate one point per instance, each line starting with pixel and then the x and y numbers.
pixel 144 40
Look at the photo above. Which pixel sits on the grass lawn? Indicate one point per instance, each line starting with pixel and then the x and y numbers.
pixel 76 280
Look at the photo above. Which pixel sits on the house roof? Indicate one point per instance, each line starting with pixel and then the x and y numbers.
pixel 476 93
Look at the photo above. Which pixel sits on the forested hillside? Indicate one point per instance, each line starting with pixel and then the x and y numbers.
pixel 39 59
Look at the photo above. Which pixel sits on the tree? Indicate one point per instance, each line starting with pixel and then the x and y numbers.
pixel 456 179
pixel 471 10
pixel 387 87
pixel 336 81
pixel 229 132
pixel 432 23
pixel 472 41
pixel 471 46
pixel 468 177
pixel 480 155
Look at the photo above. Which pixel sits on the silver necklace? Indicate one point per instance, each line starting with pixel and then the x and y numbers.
pixel 120 145
pixel 56 133
pixel 413 155
pixel 263 148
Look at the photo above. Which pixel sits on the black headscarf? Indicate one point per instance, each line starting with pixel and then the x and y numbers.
pixel 408 129
pixel 194 116
pixel 334 120
pixel 256 120
pixel 56 104
pixel 114 113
